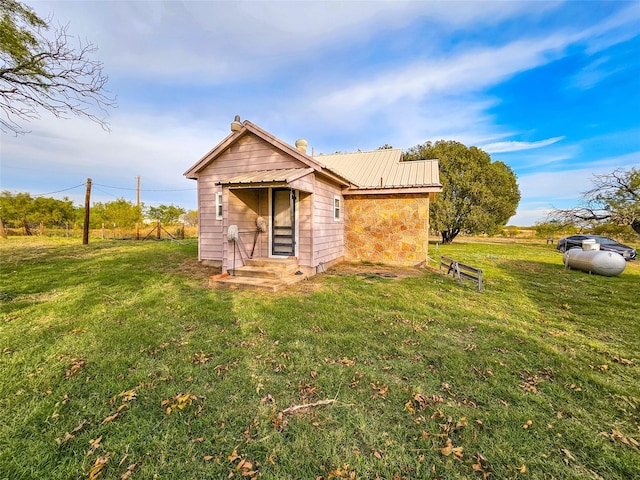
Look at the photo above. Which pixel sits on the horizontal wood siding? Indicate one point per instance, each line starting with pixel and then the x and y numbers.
pixel 328 233
pixel 305 184
pixel 305 230
pixel 210 246
pixel 249 154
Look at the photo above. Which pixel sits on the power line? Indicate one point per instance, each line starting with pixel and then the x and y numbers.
pixel 147 190
pixel 59 191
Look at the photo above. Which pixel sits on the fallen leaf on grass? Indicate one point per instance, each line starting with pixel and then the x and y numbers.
pixel 208 457
pixel 419 402
pixel 268 399
pixel 110 418
pixel 380 390
pixel 75 367
pixel 568 454
pixel 180 401
pixel 234 456
pixel 95 444
pixel 98 467
pixel 128 472
pixel 67 437
pixel 618 436
pixel 481 466
pixel 244 467
pixel 128 395
pixel 80 425
pixel 449 449
pixel 199 358
pixel 622 361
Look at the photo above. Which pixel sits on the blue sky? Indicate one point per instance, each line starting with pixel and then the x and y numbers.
pixel 550 88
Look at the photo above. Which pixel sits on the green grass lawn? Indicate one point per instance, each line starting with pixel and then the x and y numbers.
pixel 119 362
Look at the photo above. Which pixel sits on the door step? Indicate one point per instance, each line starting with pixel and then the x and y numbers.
pixel 271 274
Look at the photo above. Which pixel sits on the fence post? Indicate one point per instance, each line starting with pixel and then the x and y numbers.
pixel 87 213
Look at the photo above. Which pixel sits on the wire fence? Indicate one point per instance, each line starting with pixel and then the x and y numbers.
pixel 104 232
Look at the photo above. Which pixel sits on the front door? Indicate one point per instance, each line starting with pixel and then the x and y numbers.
pixel 283 227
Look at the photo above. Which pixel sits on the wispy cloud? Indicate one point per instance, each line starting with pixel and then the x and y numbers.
pixel 515 146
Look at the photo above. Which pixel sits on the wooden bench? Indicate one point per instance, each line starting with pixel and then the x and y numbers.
pixel 462 271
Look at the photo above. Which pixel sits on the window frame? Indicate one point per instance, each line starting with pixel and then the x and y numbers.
pixel 337 208
pixel 219 206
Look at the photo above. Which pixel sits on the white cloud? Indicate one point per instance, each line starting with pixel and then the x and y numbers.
pixel 515 146
pixel 214 42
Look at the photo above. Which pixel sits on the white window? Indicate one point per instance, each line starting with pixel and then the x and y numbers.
pixel 219 206
pixel 336 208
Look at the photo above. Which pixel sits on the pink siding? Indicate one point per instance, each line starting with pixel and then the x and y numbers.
pixel 320 238
pixel 305 230
pixel 248 154
pixel 328 234
pixel 305 184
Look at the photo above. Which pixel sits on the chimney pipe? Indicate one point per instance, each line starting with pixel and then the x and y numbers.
pixel 236 125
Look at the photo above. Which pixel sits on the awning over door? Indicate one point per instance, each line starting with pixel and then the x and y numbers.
pixel 287 177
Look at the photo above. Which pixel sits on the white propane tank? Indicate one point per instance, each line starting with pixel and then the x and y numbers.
pixel 601 262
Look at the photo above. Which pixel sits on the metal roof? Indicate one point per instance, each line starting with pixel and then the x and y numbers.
pixel 284 175
pixel 382 169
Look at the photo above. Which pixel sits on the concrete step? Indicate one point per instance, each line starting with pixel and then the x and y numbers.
pixel 271 274
pixel 267 267
pixel 274 263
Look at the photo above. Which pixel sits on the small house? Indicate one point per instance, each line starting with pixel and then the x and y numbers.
pixel 261 198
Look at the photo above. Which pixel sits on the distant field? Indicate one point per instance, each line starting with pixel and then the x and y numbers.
pixel 118 362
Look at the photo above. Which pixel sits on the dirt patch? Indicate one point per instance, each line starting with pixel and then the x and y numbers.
pixel 382 271
pixel 197 271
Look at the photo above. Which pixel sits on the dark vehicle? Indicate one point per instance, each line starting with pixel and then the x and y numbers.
pixel 606 244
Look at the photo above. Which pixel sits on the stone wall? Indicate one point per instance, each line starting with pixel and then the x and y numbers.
pixel 392 229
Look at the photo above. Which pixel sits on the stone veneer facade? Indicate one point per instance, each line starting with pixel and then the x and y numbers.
pixel 392 229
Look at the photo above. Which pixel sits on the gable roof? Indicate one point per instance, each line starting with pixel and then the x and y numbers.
pixel 377 171
pixel 384 170
pixel 250 128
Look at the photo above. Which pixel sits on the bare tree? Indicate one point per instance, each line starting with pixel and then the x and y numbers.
pixel 615 197
pixel 42 71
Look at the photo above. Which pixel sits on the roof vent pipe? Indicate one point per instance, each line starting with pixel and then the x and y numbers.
pixel 236 125
pixel 301 145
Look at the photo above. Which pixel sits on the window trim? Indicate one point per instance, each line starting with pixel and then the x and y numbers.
pixel 219 206
pixel 337 208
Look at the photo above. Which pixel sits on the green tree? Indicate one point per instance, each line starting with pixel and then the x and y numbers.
pixel 478 196
pixel 22 210
pixel 120 212
pixel 15 209
pixel 52 211
pixel 41 71
pixel 166 214
pixel 614 199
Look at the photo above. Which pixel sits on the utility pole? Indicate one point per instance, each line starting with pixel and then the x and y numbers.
pixel 138 205
pixel 85 228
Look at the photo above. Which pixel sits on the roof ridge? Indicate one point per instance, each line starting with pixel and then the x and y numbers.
pixel 359 152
